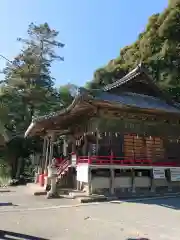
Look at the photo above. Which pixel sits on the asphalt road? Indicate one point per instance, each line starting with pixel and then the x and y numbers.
pixel 61 219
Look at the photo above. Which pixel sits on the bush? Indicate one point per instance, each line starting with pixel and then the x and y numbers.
pixel 4 173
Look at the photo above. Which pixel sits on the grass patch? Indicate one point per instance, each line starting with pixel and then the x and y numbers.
pixel 4 181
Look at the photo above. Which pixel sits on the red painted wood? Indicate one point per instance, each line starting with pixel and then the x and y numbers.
pixel 63 166
pixel 41 180
pixel 59 160
pixel 108 160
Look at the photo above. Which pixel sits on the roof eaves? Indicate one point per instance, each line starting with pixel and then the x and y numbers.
pixel 51 115
pixel 62 112
pixel 58 113
pixel 31 126
pixel 135 72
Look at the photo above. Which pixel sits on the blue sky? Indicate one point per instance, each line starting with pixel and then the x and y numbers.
pixel 93 30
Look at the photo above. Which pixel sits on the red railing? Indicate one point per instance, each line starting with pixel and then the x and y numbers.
pixel 63 166
pixel 108 160
pixel 59 160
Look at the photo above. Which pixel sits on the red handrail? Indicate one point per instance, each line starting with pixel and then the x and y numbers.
pixel 63 166
pixel 59 160
pixel 108 160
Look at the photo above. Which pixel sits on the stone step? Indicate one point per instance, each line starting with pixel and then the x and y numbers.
pixel 101 198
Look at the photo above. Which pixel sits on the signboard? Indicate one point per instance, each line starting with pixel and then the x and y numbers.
pixel 175 174
pixel 82 173
pixel 73 159
pixel 159 173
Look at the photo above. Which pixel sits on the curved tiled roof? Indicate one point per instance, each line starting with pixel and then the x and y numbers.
pixel 137 100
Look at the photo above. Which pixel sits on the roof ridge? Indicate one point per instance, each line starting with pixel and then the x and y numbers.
pixel 133 73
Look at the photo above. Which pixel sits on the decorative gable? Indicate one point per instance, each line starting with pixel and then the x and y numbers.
pixel 138 81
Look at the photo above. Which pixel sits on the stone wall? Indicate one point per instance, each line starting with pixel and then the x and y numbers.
pixel 100 185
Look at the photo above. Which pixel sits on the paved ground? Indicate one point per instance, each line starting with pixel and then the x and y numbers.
pixel 23 198
pixel 156 219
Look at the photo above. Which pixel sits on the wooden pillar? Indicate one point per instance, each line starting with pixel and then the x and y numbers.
pixel 89 182
pixel 112 181
pixel 36 177
pixel 97 141
pixel 52 176
pixel 45 154
pixel 133 182
pixel 77 185
pixel 152 182
pixel 48 159
pixel 169 180
pixel 51 140
pixel 111 174
pixel 46 179
pixel 85 146
pixel 73 140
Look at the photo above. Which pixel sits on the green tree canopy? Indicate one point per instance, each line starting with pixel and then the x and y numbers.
pixel 158 47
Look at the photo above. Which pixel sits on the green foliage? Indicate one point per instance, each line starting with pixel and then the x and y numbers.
pixel 28 90
pixel 28 77
pixel 65 95
pixel 158 47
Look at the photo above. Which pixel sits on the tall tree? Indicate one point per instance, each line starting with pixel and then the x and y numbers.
pixel 29 74
pixel 28 89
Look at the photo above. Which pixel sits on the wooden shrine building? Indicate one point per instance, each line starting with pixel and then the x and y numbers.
pixel 124 137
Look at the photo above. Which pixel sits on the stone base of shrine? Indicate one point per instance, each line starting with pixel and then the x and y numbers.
pixel 119 180
pixel 121 186
pixel 123 197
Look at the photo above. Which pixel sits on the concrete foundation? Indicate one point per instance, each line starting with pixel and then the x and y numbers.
pixel 123 185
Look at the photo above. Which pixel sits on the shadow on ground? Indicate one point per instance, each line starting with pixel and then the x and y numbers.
pixel 7 235
pixel 172 203
pixel 6 204
pixel 137 239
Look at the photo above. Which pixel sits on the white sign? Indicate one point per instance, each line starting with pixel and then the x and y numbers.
pixel 175 174
pixel 158 173
pixel 82 173
pixel 73 159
